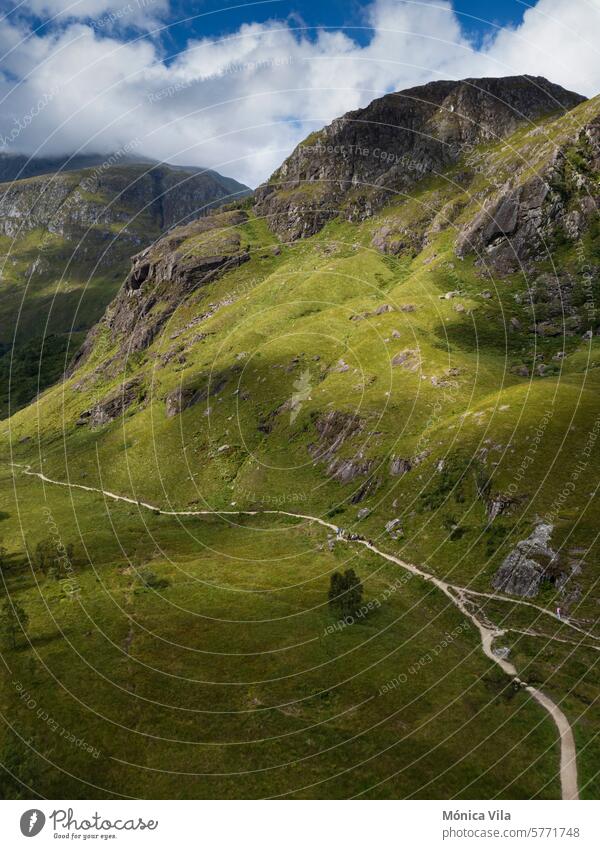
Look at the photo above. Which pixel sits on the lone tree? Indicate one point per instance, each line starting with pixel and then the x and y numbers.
pixel 13 621
pixel 345 592
pixel 53 559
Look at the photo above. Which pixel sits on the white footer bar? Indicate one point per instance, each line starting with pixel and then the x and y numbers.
pixel 301 824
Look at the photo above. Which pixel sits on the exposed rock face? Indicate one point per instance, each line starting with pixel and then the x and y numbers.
pixel 392 238
pixel 400 466
pixel 333 429
pixel 394 528
pixel 70 202
pixel 167 272
pixel 345 471
pixel 509 230
pixel 367 489
pixel 521 221
pixel 113 406
pixel 177 401
pixel 182 398
pixel 362 160
pixel 498 505
pixel 528 564
pixel 409 359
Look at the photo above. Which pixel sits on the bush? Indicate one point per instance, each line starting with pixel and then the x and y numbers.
pixel 151 581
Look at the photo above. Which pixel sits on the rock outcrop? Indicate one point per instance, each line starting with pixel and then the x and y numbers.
pixel 164 274
pixel 334 429
pixel 521 222
pixel 531 561
pixel 394 528
pixel 114 405
pixel 400 466
pixel 182 398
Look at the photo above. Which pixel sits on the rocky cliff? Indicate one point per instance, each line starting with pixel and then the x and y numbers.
pixel 66 240
pixel 369 156
pixel 556 196
pixel 164 274
pixel 69 201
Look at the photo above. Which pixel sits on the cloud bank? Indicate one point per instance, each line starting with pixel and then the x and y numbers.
pixel 97 76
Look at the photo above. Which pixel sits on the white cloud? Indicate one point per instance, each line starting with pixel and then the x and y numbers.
pixel 102 14
pixel 559 40
pixel 241 103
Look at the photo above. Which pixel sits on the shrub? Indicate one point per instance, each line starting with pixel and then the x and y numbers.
pixel 53 559
pixel 150 580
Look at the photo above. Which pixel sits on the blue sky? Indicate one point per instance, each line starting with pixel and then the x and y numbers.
pixel 478 18
pixel 237 88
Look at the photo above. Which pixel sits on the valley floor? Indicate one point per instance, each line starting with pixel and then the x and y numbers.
pixel 474 713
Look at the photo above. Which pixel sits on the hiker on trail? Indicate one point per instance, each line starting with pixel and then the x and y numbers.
pixel 558 612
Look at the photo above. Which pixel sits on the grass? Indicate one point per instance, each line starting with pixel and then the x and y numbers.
pixel 235 619
pixel 269 699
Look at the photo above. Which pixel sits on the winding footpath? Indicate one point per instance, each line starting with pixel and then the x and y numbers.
pixel 456 594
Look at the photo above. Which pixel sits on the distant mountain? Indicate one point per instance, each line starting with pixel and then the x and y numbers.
pixel 66 237
pixel 17 166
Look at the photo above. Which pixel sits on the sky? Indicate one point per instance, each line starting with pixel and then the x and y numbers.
pixel 235 86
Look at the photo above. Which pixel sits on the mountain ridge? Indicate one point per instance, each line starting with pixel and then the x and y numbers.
pixel 405 136
pixel 17 166
pixel 66 239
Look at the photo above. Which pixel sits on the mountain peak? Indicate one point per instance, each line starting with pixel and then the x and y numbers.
pixel 359 161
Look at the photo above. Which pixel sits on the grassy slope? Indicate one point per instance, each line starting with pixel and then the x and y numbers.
pixel 54 288
pixel 290 315
pixel 231 669
pixel 56 285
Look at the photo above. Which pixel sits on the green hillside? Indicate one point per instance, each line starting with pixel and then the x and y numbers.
pixel 66 240
pixel 424 377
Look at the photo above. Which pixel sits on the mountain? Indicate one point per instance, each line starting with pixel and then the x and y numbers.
pixel 65 242
pixel 16 166
pixel 373 155
pixel 386 367
pixel 19 166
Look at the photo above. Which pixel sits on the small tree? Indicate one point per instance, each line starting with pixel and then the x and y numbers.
pixel 13 621
pixel 45 554
pixel 345 592
pixel 53 560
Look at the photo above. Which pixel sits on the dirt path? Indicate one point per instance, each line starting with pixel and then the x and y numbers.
pixel 456 594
